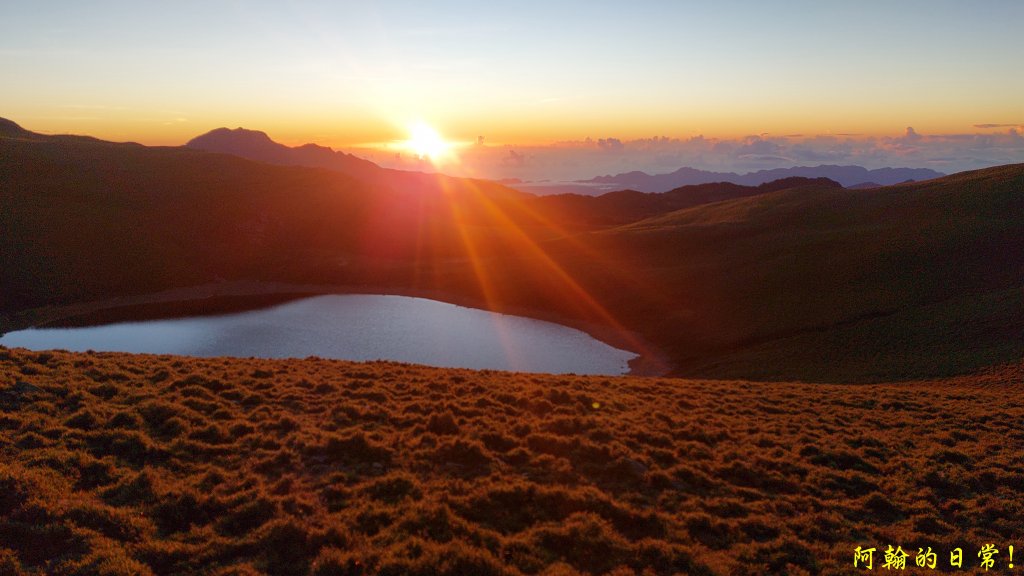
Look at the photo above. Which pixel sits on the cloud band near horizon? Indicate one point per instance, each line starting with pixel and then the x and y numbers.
pixel 583 159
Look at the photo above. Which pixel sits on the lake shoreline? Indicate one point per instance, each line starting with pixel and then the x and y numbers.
pixel 218 298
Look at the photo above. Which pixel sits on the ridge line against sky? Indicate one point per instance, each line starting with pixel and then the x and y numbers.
pixel 730 84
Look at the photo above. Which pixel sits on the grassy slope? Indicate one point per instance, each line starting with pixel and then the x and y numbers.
pixel 89 219
pixel 832 284
pixel 131 464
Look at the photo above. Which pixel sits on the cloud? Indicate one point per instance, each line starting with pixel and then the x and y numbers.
pixel 514 159
pixel 768 160
pixel 758 146
pixel 610 144
pixel 808 153
pixel 583 159
pixel 987 126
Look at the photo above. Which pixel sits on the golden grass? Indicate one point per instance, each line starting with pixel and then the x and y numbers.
pixel 136 464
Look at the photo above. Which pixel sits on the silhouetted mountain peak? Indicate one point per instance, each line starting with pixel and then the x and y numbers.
pixel 258 146
pixel 11 128
pixel 231 137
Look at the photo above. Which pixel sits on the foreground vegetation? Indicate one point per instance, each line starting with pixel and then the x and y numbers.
pixel 136 464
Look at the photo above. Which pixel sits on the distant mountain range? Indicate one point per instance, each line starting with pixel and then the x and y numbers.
pixel 256 145
pixel 580 210
pixel 848 176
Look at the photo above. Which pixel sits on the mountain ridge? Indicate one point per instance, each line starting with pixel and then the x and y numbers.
pixel 11 128
pixel 623 206
pixel 848 176
pixel 257 145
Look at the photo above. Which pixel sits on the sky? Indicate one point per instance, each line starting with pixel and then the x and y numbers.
pixel 726 84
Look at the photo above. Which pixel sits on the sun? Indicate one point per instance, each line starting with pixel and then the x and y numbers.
pixel 427 143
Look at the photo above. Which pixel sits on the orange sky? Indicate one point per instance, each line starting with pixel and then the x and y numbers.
pixel 341 130
pixel 347 74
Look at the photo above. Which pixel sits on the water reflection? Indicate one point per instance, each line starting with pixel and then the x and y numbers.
pixel 354 327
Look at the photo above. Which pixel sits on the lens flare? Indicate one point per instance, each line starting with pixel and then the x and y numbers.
pixel 426 143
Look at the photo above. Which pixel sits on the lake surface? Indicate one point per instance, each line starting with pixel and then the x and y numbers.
pixel 353 327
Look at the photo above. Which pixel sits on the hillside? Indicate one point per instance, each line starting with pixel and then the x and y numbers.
pixel 793 280
pixel 888 283
pixel 628 206
pixel 86 219
pixel 131 464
